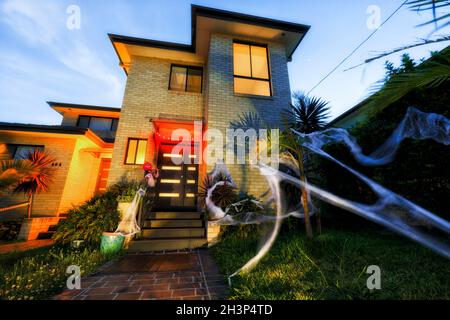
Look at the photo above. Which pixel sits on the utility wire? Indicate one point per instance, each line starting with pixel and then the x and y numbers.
pixel 356 49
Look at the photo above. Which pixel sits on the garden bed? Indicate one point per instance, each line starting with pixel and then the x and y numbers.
pixel 333 266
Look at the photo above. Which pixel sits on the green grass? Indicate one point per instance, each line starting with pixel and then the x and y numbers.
pixel 333 266
pixel 41 273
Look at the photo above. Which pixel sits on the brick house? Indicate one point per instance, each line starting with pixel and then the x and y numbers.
pixel 235 63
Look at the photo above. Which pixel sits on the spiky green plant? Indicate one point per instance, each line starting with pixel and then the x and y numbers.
pixel 307 114
pixel 41 178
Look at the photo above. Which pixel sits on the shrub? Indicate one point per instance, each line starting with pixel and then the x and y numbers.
pixel 9 230
pixel 419 171
pixel 99 214
pixel 41 273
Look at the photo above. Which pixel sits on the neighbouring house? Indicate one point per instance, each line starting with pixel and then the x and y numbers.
pixel 235 63
pixel 82 146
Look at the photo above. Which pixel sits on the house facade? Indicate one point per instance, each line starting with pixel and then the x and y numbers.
pixel 235 64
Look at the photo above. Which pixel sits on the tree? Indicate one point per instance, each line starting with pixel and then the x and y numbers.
pixel 307 114
pixel 407 65
pixel 40 177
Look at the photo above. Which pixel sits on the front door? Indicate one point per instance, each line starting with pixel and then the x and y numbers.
pixel 177 185
pixel 103 174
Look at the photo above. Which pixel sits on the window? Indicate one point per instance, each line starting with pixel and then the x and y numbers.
pixel 251 69
pixel 186 78
pixel 136 149
pixel 98 123
pixel 19 152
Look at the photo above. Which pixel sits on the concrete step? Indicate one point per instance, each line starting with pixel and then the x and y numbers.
pixel 176 215
pixel 172 223
pixel 173 233
pixel 53 228
pixel 166 244
pixel 45 235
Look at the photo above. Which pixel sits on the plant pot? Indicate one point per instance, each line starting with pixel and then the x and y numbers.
pixel 213 233
pixel 111 243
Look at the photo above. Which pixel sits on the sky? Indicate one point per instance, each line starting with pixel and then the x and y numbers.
pixel 46 55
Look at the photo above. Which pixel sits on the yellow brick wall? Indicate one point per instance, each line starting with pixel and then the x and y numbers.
pixel 146 97
pixel 45 204
pixel 81 177
pixel 224 106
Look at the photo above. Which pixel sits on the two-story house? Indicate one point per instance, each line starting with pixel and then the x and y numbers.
pixel 235 63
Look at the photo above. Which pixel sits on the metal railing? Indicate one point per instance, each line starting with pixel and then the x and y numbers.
pixel 15 206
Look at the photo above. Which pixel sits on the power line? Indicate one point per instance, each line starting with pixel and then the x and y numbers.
pixel 356 49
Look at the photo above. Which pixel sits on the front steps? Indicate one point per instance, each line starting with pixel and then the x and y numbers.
pixel 169 231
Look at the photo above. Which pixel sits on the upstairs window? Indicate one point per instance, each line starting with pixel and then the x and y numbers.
pixel 251 69
pixel 136 149
pixel 186 78
pixel 98 123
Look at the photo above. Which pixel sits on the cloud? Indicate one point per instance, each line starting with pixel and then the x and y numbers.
pixel 42 26
pixel 35 21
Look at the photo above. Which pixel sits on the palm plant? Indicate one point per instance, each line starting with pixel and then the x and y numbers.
pixel 14 171
pixel 307 114
pixel 223 195
pixel 430 74
pixel 40 178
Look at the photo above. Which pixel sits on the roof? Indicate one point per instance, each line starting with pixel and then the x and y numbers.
pixel 200 11
pixel 58 106
pixel 55 129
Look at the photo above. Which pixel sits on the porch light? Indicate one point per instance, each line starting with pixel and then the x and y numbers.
pixel 169 195
pixel 172 155
pixel 170 181
pixel 171 168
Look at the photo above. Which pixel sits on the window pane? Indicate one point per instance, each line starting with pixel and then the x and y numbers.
pixel 260 68
pixel 140 156
pixel 132 146
pixel 115 124
pixel 194 80
pixel 178 79
pixel 23 151
pixel 250 86
pixel 83 121
pixel 241 59
pixel 100 124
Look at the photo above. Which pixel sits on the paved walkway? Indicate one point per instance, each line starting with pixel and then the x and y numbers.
pixel 25 245
pixel 191 275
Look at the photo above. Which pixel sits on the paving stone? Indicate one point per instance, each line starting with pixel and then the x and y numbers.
pixel 155 284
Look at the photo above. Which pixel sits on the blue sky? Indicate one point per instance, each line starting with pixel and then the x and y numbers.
pixel 42 60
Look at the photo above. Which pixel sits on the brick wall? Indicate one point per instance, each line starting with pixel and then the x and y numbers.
pixel 81 177
pixel 74 180
pixel 224 106
pixel 45 204
pixel 147 96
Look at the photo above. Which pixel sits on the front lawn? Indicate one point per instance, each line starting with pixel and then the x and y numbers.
pixel 41 273
pixel 333 266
